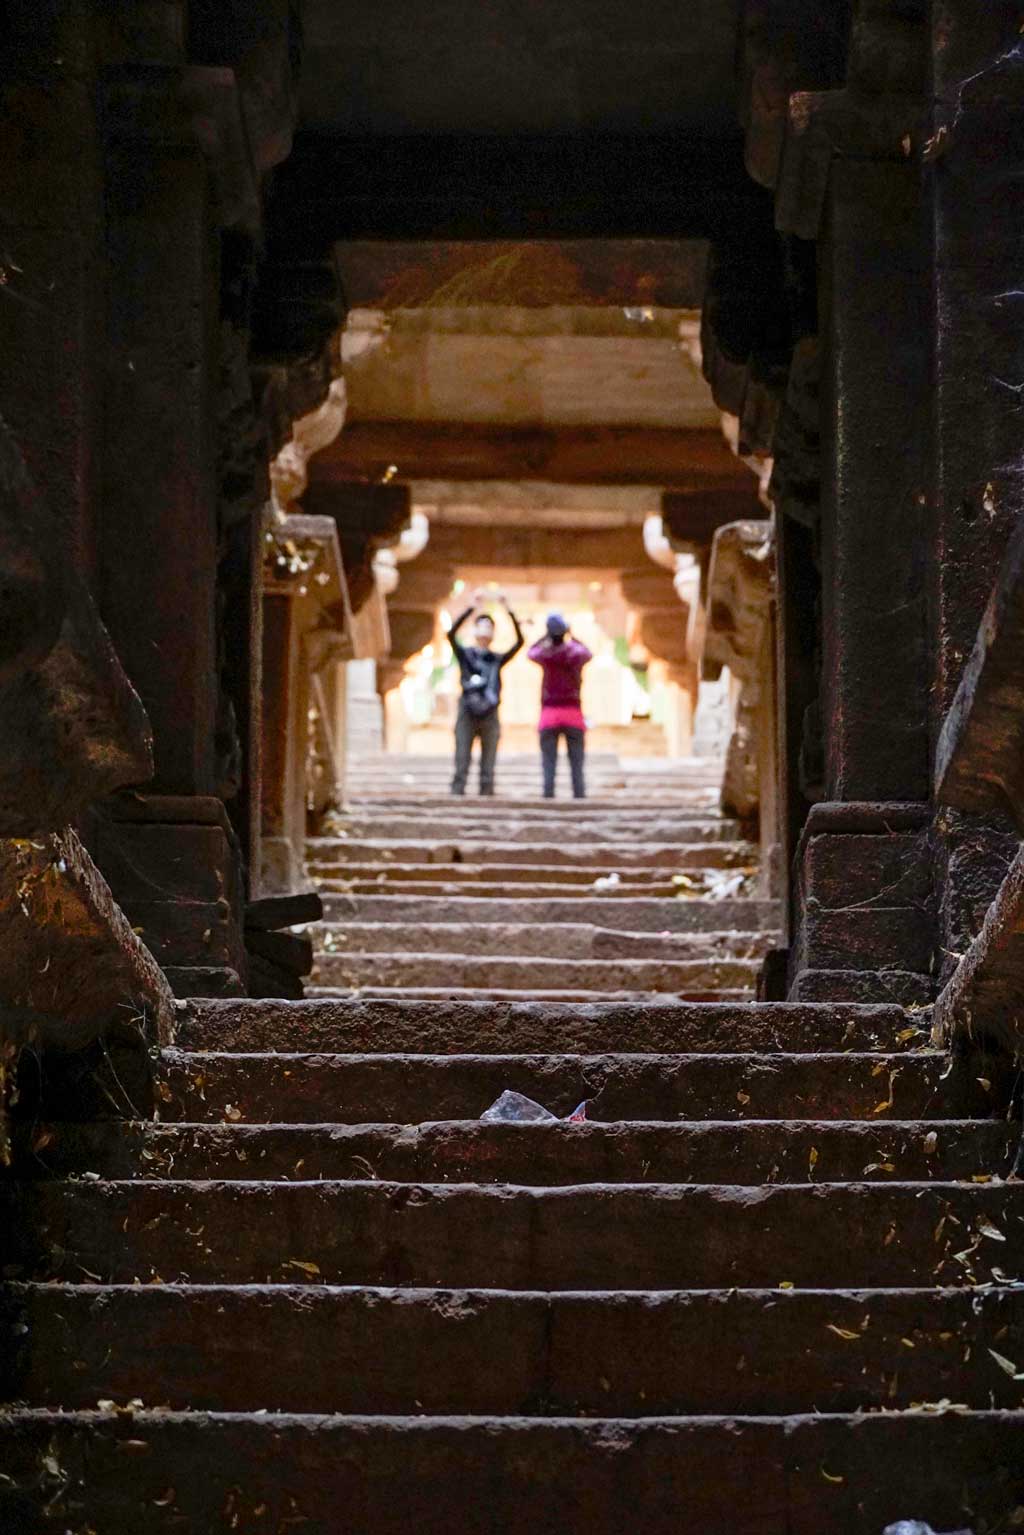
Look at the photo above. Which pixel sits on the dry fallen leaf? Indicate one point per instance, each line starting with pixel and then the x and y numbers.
pixel 987 1229
pixel 307 1268
pixel 931 1143
pixel 835 1480
pixel 742 1097
pixel 843 1332
pixel 1007 1365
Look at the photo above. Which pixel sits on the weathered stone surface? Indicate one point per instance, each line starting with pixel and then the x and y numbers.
pixel 270 913
pixel 612 1352
pixel 982 998
pixel 784 48
pixel 71 723
pixel 173 864
pixel 483 1474
pixel 467 1151
pixel 904 987
pixel 72 966
pixel 867 915
pixel 739 595
pixel 979 759
pixel 366 1231
pixel 403 1089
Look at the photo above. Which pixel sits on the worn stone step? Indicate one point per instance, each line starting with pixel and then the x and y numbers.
pixel 481 1028
pixel 568 940
pixel 373 1350
pixel 662 883
pixel 453 826
pixel 528 974
pixel 197 1473
pixel 551 813
pixel 699 803
pixel 365 1089
pixel 456 994
pixel 455 880
pixel 500 1236
pixel 340 852
pixel 628 913
pixel 731 1152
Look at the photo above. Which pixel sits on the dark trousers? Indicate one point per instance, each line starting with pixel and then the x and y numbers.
pixel 468 729
pixel 575 742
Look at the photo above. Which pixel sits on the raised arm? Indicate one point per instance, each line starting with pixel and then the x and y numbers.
pixel 453 631
pixel 520 637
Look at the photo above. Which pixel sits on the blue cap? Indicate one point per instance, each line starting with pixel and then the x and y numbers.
pixel 557 626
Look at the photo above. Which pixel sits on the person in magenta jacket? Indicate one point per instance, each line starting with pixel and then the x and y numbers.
pixel 562 660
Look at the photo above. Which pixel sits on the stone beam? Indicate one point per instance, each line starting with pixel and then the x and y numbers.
pixel 691 519
pixel 785 46
pixel 533 501
pixel 367 517
pixel 696 460
pixel 525 547
pixel 979 760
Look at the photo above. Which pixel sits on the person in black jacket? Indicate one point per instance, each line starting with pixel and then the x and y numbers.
pixel 480 669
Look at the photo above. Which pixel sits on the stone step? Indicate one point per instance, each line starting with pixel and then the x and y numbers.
pixel 526 974
pixel 456 994
pixel 729 1152
pixel 696 803
pixel 568 940
pixel 653 882
pixel 510 883
pixel 544 812
pixel 499 1236
pixel 335 854
pixel 480 1028
pixel 372 1350
pixel 628 913
pixel 371 1089
pixel 193 1473
pixel 454 826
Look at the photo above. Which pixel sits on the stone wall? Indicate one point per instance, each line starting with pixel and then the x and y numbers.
pixel 152 370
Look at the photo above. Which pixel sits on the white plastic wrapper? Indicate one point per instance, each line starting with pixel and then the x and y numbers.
pixel 516 1109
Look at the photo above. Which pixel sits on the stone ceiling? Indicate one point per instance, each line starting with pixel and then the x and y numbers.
pixel 393 68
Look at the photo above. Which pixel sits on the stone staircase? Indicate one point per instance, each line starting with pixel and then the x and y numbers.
pixel 635 779
pixel 558 900
pixel 774 1285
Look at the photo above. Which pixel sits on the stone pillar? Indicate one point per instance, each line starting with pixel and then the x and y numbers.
pixel 974 155
pixel 284 748
pixel 303 593
pixel 866 930
pixel 876 257
pixel 172 856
